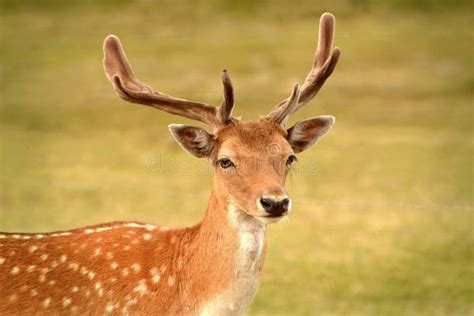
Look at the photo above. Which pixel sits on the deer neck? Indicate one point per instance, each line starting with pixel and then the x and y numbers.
pixel 228 253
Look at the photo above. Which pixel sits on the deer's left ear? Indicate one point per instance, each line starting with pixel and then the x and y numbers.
pixel 304 134
pixel 194 140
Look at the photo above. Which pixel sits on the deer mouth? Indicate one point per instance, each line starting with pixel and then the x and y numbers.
pixel 276 215
pixel 272 218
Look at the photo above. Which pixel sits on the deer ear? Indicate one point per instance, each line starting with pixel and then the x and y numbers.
pixel 304 134
pixel 194 140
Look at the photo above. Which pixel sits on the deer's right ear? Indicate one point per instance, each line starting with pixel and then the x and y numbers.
pixel 194 140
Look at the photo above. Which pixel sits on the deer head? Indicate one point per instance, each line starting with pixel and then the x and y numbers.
pixel 251 159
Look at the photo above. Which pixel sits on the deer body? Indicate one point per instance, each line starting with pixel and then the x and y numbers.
pixel 212 268
pixel 133 268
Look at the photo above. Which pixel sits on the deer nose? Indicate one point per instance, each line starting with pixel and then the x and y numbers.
pixel 275 207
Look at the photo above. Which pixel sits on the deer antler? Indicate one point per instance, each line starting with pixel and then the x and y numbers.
pixel 324 63
pixel 129 88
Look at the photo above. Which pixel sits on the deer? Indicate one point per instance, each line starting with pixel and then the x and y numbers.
pixel 211 268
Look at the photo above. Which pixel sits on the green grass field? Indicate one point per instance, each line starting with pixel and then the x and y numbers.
pixel 384 227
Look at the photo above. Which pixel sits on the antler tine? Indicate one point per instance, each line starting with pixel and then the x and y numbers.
pixel 225 110
pixel 325 39
pixel 280 115
pixel 129 88
pixel 324 63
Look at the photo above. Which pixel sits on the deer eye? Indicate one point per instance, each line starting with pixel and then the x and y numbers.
pixel 225 163
pixel 291 160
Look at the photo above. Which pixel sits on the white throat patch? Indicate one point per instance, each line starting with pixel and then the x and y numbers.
pixel 235 299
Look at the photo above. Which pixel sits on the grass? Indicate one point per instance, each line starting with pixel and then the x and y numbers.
pixel 383 228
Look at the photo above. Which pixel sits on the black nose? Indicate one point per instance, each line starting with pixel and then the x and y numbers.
pixel 273 207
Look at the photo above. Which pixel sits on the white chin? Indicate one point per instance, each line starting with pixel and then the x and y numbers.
pixel 269 220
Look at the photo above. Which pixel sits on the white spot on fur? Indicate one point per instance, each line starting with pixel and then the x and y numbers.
pixel 75 289
pixel 2 236
pixel 46 302
pixel 42 278
pixel 39 236
pixel 33 248
pixel 26 237
pixel 150 227
pixel 31 268
pixel 63 258
pixel 136 267
pixel 97 252
pixel 84 271
pixel 155 275
pixel 126 248
pixel 125 272
pixel 109 308
pixel 60 234
pixel 141 288
pixel 114 265
pixel 146 226
pixel 2 260
pixel 34 292
pixel 16 236
pixel 147 236
pixel 73 266
pixel 54 264
pixel 15 270
pixel 89 231
pixel 103 229
pixel 52 282
pixel 133 225
pixel 100 290
pixel 109 255
pixel 66 301
pixel 155 278
pixel 91 275
pixel 171 280
pixel 130 301
pixel 44 257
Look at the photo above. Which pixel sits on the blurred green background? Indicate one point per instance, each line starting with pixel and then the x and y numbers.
pixel 384 227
